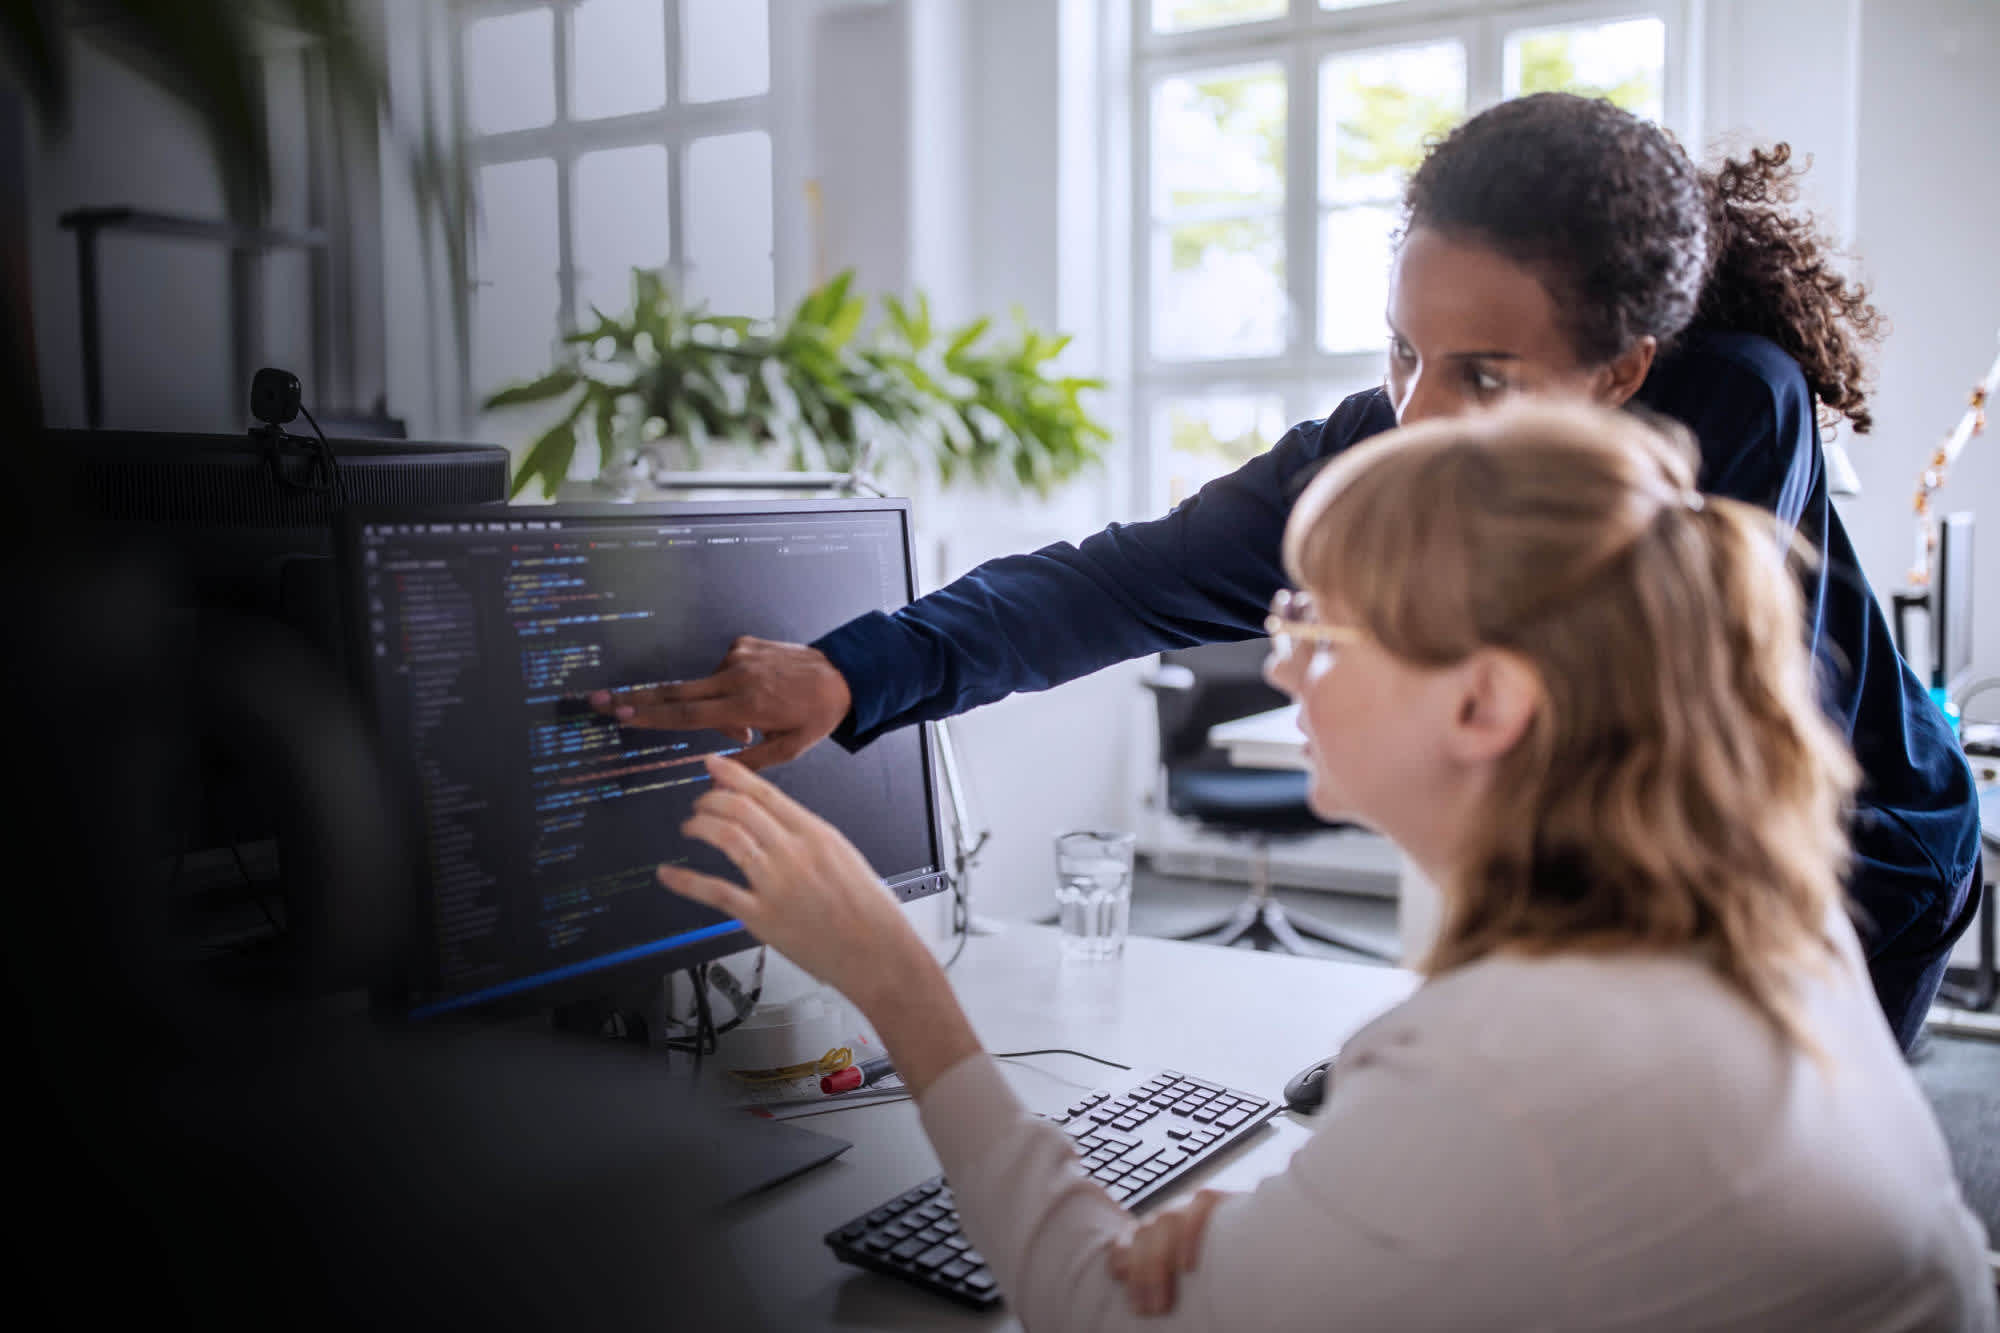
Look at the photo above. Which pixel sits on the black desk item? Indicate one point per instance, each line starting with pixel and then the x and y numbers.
pixel 746 1154
pixel 1305 1091
pixel 1138 1144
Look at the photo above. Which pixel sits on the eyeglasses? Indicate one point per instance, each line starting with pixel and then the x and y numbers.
pixel 1292 622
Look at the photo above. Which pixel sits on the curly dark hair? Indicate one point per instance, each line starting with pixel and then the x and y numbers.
pixel 1633 239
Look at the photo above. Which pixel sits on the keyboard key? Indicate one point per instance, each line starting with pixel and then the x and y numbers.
pixel 909 1249
pixel 1120 1192
pixel 1177 1132
pixel 932 1234
pixel 937 1256
pixel 880 1215
pixel 879 1244
pixel 956 1269
pixel 1203 1116
pixel 980 1282
pixel 959 1243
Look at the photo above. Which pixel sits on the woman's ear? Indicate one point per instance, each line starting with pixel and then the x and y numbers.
pixel 1499 695
pixel 1619 379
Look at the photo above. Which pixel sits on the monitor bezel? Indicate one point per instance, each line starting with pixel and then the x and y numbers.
pixel 415 995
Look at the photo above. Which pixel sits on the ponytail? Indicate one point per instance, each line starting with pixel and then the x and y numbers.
pixel 1773 274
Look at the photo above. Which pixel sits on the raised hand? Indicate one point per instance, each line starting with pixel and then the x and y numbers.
pixel 813 898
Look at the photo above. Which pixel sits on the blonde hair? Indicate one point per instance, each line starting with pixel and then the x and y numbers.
pixel 1679 786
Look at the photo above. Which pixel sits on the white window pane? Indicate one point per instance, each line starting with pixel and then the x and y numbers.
pixel 1348 4
pixel 618 57
pixel 510 72
pixel 1200 439
pixel 515 302
pixel 618 222
pixel 1378 112
pixel 1355 250
pixel 729 230
pixel 1183 15
pixel 1219 289
pixel 1321 399
pixel 725 49
pixel 1625 62
pixel 1219 141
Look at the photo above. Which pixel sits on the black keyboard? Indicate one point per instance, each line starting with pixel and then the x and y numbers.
pixel 1138 1144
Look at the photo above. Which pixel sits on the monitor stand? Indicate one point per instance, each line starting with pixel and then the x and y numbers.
pixel 746 1152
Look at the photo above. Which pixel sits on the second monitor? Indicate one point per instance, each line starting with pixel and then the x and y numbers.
pixel 540 821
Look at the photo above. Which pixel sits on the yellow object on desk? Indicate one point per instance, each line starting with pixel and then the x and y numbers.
pixel 840 1057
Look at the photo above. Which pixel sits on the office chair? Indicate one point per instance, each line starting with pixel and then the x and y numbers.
pixel 1198 688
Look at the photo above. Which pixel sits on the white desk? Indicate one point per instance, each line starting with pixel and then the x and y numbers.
pixel 1262 740
pixel 1244 1018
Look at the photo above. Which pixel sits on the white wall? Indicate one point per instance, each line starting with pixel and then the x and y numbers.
pixel 1896 102
pixel 970 215
pixel 168 355
pixel 1926 220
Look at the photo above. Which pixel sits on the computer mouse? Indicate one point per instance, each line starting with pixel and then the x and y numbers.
pixel 1307 1088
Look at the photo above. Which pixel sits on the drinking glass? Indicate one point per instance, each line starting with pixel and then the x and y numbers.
pixel 1094 891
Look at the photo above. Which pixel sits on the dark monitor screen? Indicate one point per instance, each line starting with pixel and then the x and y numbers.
pixel 540 821
pixel 1953 608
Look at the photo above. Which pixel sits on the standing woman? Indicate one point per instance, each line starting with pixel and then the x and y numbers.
pixel 1556 246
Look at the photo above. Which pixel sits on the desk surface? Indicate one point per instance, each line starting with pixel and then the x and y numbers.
pixel 1240 1017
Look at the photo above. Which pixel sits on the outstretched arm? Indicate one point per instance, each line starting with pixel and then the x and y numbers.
pixel 1203 573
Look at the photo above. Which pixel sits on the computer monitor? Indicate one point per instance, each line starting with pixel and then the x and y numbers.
pixel 271 857
pixel 540 821
pixel 1951 606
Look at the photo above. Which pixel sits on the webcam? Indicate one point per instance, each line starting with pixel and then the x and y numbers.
pixel 275 396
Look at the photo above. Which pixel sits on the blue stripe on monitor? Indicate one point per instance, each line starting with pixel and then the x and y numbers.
pixel 506 988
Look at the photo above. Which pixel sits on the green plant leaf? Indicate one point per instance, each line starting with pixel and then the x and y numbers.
pixel 548 459
pixel 552 385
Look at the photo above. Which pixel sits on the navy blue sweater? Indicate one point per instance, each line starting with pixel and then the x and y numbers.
pixel 1207 571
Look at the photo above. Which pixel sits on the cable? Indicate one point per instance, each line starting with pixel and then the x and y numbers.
pixel 335 482
pixel 725 981
pixel 1059 1050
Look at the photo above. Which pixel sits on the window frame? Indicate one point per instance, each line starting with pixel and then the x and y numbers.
pixel 673 125
pixel 1298 42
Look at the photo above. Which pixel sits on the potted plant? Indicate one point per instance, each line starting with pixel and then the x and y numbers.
pixel 670 387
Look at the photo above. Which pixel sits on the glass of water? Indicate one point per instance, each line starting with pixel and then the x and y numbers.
pixel 1094 892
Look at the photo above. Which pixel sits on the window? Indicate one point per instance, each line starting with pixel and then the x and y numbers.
pixel 606 135
pixel 1274 140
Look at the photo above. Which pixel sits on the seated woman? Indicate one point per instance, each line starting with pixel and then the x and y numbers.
pixel 1645 1084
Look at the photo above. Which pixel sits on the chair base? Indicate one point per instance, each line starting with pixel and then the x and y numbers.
pixel 1267 924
